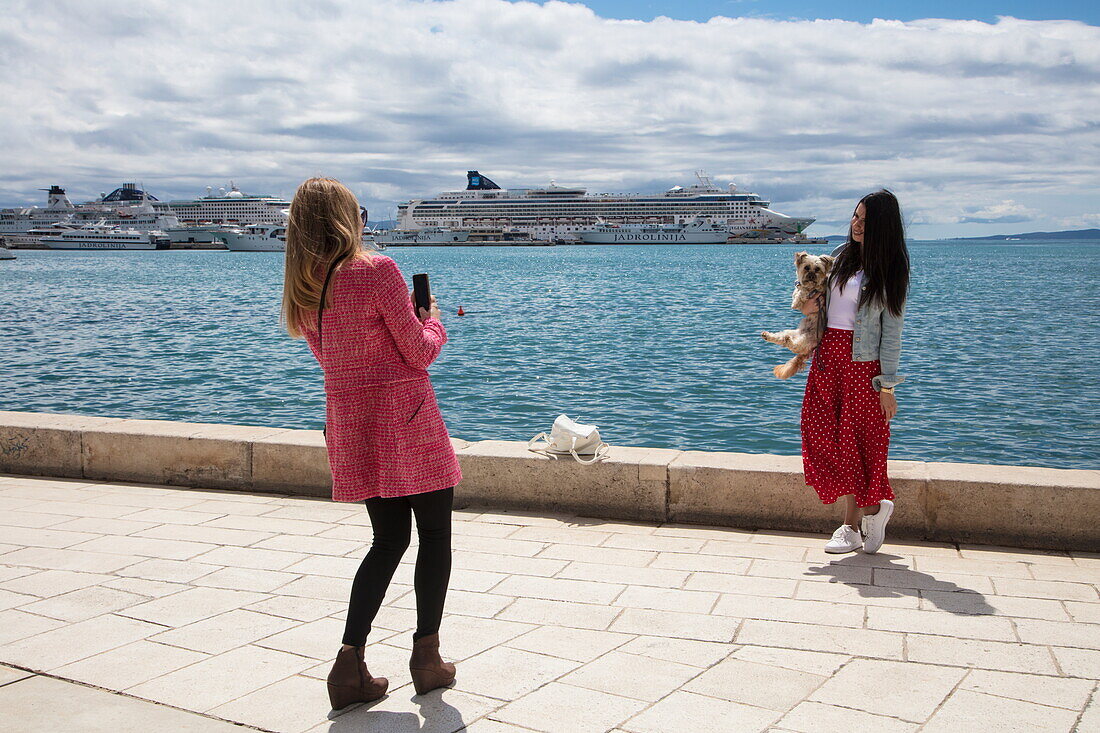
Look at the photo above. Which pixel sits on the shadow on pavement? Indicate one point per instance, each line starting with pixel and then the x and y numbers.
pixel 435 715
pixel 903 581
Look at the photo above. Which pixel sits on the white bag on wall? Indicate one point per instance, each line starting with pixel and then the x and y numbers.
pixel 568 438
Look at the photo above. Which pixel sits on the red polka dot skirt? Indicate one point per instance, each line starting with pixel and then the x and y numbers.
pixel 845 437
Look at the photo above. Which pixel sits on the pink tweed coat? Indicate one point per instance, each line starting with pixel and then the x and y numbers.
pixel 385 434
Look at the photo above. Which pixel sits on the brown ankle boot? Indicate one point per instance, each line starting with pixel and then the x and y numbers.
pixel 350 681
pixel 428 669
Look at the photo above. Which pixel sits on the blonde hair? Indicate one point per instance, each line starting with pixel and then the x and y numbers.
pixel 324 226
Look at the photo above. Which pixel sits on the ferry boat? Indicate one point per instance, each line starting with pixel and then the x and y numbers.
pixel 206 236
pixel 425 236
pixel 127 206
pixel 255 238
pixel 693 232
pixel 33 239
pixel 267 238
pixel 230 207
pixel 103 236
pixel 561 213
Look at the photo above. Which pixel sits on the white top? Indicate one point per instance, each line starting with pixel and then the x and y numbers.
pixel 842 305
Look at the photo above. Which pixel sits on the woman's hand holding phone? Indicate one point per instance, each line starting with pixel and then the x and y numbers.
pixel 433 313
pixel 424 314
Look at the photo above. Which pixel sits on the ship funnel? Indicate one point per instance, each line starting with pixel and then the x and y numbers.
pixel 56 199
pixel 477 182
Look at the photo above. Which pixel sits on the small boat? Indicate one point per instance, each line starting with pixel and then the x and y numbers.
pixel 5 253
pixel 255 238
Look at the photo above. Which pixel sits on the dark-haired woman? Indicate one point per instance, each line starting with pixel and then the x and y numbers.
pixel 387 443
pixel 849 398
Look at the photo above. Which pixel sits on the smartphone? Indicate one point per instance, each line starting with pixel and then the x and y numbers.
pixel 422 293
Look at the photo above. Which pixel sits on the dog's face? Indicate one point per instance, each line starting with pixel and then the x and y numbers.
pixel 812 270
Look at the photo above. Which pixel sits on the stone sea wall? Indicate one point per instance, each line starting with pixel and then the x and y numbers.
pixel 1012 505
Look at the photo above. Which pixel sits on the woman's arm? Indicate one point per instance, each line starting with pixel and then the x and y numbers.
pixel 419 342
pixel 889 350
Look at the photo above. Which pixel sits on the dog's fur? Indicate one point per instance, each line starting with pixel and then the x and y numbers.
pixel 813 273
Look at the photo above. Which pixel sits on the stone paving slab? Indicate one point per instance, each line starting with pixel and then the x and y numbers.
pixel 207 608
pixel 35 703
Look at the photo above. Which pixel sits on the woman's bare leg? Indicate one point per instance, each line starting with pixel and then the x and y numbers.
pixel 851 512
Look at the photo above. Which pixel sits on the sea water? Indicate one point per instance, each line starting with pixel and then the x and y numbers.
pixel 659 346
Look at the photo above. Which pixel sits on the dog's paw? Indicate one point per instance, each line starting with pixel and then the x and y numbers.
pixel 781 371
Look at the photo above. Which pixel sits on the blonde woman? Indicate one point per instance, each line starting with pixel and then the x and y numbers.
pixel 387 443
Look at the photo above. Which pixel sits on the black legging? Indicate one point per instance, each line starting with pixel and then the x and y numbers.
pixel 390 519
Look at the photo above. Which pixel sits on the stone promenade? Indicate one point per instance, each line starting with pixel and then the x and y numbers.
pixel 207 606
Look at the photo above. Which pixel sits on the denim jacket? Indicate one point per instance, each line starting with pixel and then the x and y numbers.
pixel 877 336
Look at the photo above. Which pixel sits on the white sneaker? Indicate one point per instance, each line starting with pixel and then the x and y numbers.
pixel 874 526
pixel 845 539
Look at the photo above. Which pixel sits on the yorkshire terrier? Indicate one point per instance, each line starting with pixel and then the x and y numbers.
pixel 813 274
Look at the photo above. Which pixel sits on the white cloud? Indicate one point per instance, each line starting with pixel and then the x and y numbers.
pixel 399 98
pixel 1003 212
pixel 1082 221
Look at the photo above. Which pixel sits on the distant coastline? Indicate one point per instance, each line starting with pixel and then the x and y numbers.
pixel 1076 235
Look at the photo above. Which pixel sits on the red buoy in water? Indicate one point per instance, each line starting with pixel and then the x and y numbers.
pixel 460 311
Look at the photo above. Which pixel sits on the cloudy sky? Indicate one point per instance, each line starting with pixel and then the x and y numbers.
pixel 980 121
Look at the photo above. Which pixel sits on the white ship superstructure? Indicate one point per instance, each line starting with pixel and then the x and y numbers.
pixel 230 207
pixel 560 213
pixel 126 206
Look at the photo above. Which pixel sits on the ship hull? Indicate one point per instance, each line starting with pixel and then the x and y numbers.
pixel 421 243
pixel 431 238
pixel 235 243
pixel 651 238
pixel 100 245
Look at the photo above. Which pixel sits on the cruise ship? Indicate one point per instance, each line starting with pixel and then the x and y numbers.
pixel 127 206
pixel 230 207
pixel 561 213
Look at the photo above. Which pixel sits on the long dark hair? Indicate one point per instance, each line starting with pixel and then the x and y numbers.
pixel 882 256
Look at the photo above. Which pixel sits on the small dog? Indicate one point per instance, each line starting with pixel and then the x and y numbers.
pixel 813 273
